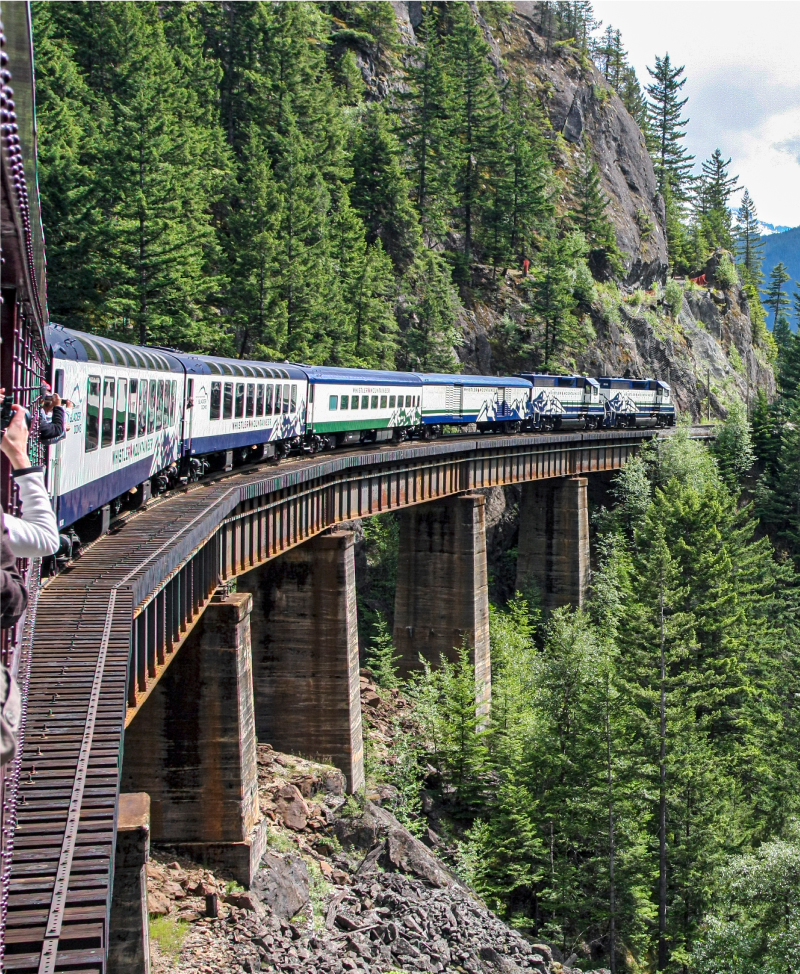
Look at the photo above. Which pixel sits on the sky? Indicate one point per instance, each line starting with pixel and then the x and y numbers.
pixel 743 84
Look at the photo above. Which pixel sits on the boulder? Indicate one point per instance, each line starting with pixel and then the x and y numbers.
pixel 292 808
pixel 281 883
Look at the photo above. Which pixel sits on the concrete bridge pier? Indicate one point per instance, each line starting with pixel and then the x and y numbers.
pixel 553 549
pixel 192 746
pixel 129 929
pixel 305 654
pixel 442 597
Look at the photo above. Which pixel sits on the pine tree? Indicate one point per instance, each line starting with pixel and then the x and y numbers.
pixel 775 298
pixel 551 298
pixel 672 162
pixel 476 115
pixel 714 190
pixel 427 316
pixel 781 507
pixel 589 217
pixel 427 128
pixel 255 217
pixel 750 246
pixel 380 190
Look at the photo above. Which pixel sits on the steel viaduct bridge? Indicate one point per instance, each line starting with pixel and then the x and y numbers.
pixel 150 681
pixel 147 680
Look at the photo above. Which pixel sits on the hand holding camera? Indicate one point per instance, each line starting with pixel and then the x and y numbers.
pixel 15 421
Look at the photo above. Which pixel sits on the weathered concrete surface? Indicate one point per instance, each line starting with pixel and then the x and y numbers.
pixel 193 744
pixel 305 654
pixel 442 598
pixel 553 548
pixel 129 934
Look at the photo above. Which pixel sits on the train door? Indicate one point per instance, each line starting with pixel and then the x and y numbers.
pixel 54 460
pixel 188 414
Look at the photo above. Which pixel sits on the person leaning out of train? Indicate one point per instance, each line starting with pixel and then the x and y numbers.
pixel 35 533
pixel 53 418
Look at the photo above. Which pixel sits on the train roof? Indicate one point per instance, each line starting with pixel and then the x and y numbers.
pixel 335 374
pixel 544 378
pixel 247 368
pixel 77 346
pixel 495 381
pixel 617 382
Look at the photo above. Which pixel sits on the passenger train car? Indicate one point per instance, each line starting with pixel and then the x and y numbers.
pixel 145 419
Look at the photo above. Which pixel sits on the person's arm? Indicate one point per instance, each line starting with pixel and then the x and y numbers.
pixel 35 534
pixel 13 594
pixel 52 430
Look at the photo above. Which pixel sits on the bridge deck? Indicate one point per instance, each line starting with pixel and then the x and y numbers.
pixel 108 626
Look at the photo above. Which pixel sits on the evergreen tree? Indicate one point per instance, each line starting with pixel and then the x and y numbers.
pixel 733 446
pixel 380 189
pixel 781 507
pixel 750 246
pixel 589 217
pixel 714 190
pixel 427 314
pixel 775 298
pixel 476 116
pixel 551 297
pixel 427 127
pixel 672 162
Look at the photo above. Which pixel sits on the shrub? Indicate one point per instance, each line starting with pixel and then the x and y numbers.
pixel 583 285
pixel 673 297
pixel 726 275
pixel 645 224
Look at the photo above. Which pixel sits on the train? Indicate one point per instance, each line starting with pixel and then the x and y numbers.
pixel 145 419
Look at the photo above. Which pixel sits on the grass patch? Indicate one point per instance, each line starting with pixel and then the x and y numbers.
pixel 318 889
pixel 169 934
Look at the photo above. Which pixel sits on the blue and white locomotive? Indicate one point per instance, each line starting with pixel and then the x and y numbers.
pixel 145 419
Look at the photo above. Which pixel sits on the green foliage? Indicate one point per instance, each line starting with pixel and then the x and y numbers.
pixel 754 923
pixel 725 274
pixel 750 247
pixel 673 297
pixel 775 297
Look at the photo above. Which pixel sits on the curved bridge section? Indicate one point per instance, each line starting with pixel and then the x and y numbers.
pixel 109 628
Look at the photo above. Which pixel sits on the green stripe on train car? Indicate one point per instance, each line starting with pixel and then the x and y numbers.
pixel 351 424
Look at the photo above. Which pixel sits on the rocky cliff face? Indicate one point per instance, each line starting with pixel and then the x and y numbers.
pixel 708 341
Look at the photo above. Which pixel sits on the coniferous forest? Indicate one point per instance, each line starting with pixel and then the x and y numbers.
pixel 221 177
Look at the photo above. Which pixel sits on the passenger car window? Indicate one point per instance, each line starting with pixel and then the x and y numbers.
pixel 122 402
pixel 143 407
pixel 293 403
pixel 270 390
pixel 251 398
pixel 239 400
pixel 133 403
pixel 391 402
pixel 92 413
pixel 160 405
pixel 108 412
pixel 151 408
pixel 345 402
pixel 286 397
pixel 365 402
pixel 260 400
pixel 408 400
pixel 354 403
pixel 374 402
pixel 333 402
pixel 383 402
pixel 227 401
pixel 216 399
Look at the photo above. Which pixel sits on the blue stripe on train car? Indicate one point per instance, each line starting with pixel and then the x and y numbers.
pixel 92 496
pixel 232 441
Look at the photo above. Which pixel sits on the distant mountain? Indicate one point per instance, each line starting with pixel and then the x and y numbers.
pixel 767 229
pixel 783 247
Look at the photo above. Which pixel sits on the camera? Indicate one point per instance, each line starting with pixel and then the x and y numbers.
pixel 7 413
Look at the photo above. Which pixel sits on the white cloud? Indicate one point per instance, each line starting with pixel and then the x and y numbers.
pixel 742 84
